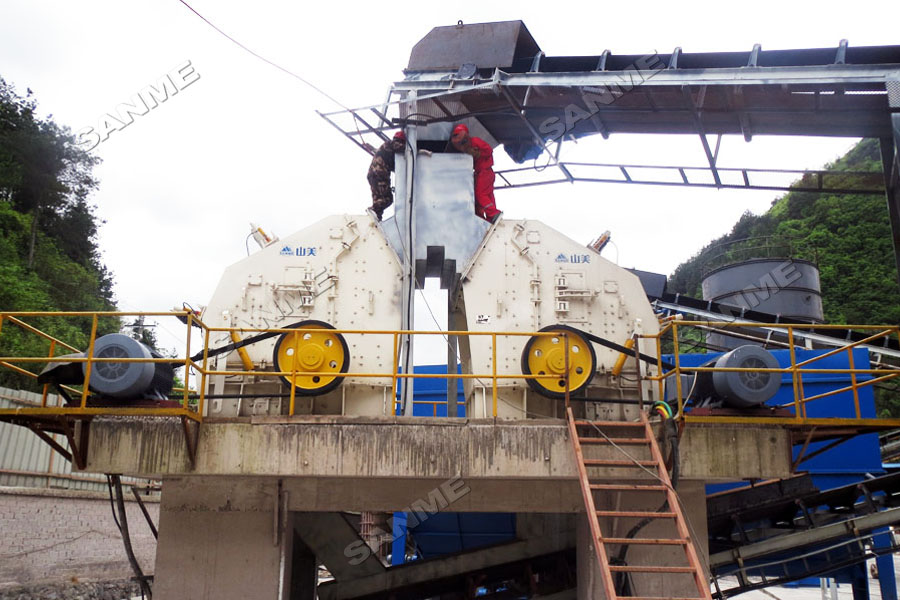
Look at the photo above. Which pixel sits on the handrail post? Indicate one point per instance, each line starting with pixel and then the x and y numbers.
pixel 853 381
pixel 187 358
pixel 396 360
pixel 47 385
pixel 675 356
pixel 659 369
pixel 637 364
pixel 202 403
pixel 90 362
pixel 566 337
pixel 294 371
pixel 794 376
pixel 494 371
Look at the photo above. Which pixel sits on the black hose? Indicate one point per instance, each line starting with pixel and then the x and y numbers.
pixel 115 482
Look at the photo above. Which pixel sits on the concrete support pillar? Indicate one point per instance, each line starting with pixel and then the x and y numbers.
pixel 590 579
pixel 693 504
pixel 231 552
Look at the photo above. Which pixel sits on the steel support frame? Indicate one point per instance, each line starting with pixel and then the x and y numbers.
pixel 798 333
pixel 520 111
pixel 793 75
pixel 856 526
pixel 696 108
pixel 839 76
pixel 75 425
pixel 890 156
pixel 409 264
pixel 632 178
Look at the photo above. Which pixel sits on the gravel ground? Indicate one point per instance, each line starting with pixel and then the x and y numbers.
pixel 105 590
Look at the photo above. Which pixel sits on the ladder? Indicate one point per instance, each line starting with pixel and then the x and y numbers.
pixel 639 441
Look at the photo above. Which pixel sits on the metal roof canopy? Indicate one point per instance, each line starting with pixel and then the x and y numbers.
pixel 535 102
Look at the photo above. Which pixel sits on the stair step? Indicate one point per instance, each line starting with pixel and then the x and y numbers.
pixel 647 541
pixel 635 514
pixel 609 424
pixel 618 441
pixel 625 487
pixel 608 462
pixel 644 569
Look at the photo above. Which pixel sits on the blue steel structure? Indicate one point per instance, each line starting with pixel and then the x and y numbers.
pixel 847 463
pixel 447 532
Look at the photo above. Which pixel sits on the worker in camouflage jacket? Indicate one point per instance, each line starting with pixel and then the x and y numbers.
pixel 379 175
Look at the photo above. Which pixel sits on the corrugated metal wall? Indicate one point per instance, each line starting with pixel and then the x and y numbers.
pixel 27 461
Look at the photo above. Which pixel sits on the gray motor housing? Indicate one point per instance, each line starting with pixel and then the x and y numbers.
pixel 127 380
pixel 738 389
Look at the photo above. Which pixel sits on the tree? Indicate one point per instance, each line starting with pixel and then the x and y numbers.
pixel 46 174
pixel 49 259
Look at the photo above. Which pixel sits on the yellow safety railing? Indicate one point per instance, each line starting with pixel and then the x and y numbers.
pixel 82 408
pixel 200 363
pixel 395 375
pixel 796 370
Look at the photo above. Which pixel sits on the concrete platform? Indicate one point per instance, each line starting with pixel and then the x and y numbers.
pixel 255 480
pixel 403 447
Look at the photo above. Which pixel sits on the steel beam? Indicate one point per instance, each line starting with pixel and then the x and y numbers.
pixel 890 156
pixel 830 75
pixel 520 111
pixel 632 177
pixel 798 333
pixel 852 527
pixel 695 109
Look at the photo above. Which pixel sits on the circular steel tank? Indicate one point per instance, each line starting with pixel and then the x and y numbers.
pixel 788 287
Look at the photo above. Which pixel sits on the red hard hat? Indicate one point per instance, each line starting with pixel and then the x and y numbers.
pixel 400 136
pixel 460 129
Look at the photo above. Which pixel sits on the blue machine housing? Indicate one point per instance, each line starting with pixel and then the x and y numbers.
pixel 847 463
pixel 446 532
pixel 430 394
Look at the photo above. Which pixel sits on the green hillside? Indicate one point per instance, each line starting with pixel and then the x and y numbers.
pixel 849 236
pixel 49 259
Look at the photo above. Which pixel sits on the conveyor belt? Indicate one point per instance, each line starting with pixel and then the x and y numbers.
pixel 714 311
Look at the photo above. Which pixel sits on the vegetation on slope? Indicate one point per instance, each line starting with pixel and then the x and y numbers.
pixel 849 236
pixel 49 258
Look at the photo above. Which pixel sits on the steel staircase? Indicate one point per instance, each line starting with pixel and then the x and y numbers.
pixel 647 483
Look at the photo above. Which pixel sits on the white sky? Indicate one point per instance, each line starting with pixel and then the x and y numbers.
pixel 179 186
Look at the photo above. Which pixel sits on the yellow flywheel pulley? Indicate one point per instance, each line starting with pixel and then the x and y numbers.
pixel 313 351
pixel 546 355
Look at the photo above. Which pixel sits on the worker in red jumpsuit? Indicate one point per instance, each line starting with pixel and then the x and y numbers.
pixel 482 155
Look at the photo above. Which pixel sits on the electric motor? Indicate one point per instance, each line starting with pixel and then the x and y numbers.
pixel 128 380
pixel 738 389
